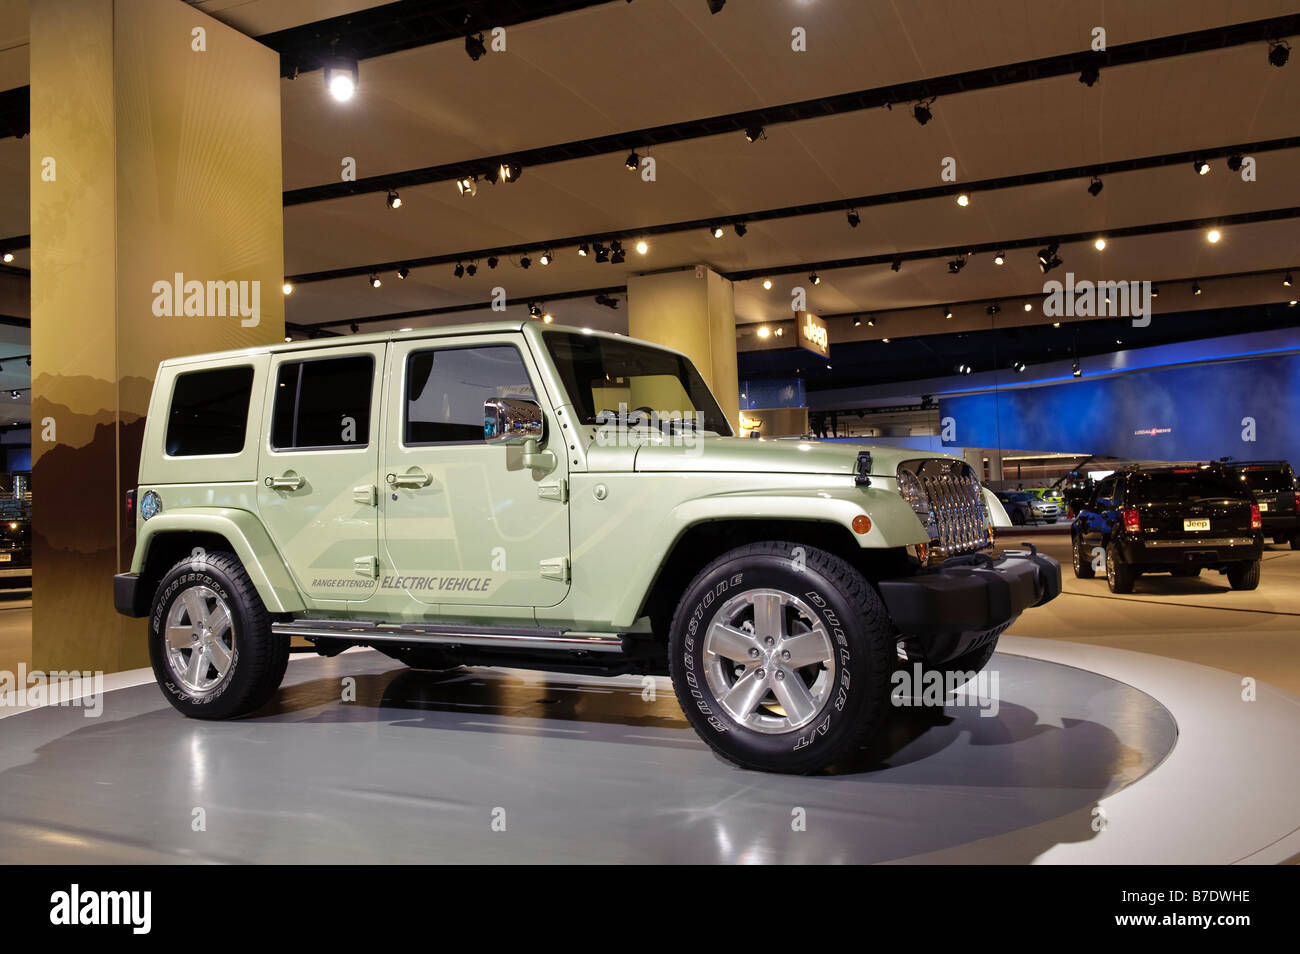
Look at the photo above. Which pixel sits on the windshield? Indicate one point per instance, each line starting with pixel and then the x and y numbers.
pixel 609 380
pixel 1262 479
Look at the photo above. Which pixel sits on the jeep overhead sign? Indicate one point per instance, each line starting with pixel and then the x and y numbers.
pixel 813 334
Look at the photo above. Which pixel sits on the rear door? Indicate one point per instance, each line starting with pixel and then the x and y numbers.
pixel 317 489
pixel 1190 503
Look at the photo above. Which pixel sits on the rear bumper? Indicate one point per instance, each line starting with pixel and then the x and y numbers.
pixel 1209 551
pixel 128 596
pixel 1282 523
pixel 951 609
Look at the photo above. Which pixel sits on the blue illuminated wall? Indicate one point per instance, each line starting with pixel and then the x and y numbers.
pixel 1182 413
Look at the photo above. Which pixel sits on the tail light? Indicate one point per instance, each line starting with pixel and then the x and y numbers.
pixel 1297 501
pixel 130 507
pixel 1132 521
pixel 1255 522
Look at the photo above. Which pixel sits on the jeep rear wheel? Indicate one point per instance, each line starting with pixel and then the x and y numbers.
pixel 210 639
pixel 1119 575
pixel 761 650
pixel 1244 576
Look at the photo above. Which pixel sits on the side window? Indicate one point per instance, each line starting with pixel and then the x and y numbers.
pixel 446 388
pixel 323 403
pixel 209 412
pixel 1105 490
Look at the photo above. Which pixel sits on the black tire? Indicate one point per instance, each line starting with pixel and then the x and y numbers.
pixel 830 593
pixel 1082 565
pixel 1119 575
pixel 1244 576
pixel 1188 572
pixel 257 658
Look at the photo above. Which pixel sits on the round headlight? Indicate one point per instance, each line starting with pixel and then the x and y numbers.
pixel 150 505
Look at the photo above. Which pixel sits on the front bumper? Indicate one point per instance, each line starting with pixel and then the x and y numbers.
pixel 946 611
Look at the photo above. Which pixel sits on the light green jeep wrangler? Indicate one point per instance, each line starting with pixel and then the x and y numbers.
pixel 516 494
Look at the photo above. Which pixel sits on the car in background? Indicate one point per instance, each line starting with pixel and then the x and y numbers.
pixel 1178 519
pixel 1051 495
pixel 1273 483
pixel 15 542
pixel 1023 507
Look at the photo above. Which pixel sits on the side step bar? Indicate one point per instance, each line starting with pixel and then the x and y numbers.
pixel 365 633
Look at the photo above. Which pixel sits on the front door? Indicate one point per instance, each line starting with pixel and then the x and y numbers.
pixel 464 521
pixel 317 489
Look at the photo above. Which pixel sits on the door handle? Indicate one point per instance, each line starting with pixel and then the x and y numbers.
pixel 414 480
pixel 285 483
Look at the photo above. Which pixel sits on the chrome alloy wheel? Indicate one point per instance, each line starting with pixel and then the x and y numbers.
pixel 200 639
pixel 769 661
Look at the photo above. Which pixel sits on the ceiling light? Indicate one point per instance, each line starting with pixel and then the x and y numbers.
pixel 1235 161
pixel 715 6
pixel 525 261
pixel 1286 280
pixel 854 218
pixel 1155 290
pixel 1029 306
pixel 717 231
pixel 394 200
pixel 956 265
pixel 1017 366
pixel 1048 259
pixel 547 318
pixel 642 247
pixel 754 133
pixel 545 258
pixel 582 249
pixel 459 270
pixel 857 322
pixel 1213 236
pixel 767 284
pixel 1100 245
pixel 896 264
pixel 617 255
pixel 871 322
pixel 492 261
pixel 287 288
pixel 814 278
pixel 1095 186
pixel 404 271
pixel 633 161
pixel 1291 303
pixel 474 46
pixel 1278 53
pixel 780 331
pixel 470 269
pixel 341 77
pixel 963 200
pixel 1075 370
pixel 1196 288
pixel 1089 75
pixel 764 331
pixel 534 310
pixel 8 257
pixel 602 253
pixel 509 172
pixel 992 309
pixel 354 327
pixel 374 280
pixel 921 112
pixel 1056 324
pixel 947 314
pixel 1201 166
pixel 467 185
pixel 741 229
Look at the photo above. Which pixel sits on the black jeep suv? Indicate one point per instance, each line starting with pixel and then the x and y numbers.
pixel 1177 519
pixel 1274 486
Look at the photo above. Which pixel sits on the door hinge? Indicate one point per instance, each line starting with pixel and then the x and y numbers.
pixel 367 496
pixel 367 566
pixel 554 490
pixel 556 569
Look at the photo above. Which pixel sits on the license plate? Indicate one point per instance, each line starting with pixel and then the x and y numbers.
pixel 1203 524
pixel 1262 506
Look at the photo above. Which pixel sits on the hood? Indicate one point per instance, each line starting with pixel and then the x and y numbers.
pixel 747 455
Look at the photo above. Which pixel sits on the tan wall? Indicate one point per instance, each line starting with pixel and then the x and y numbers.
pixel 780 422
pixel 167 160
pixel 693 311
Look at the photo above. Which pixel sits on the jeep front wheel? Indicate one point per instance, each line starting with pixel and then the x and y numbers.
pixel 210 639
pixel 780 656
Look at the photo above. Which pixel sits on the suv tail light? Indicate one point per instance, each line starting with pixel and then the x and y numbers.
pixel 1297 501
pixel 1132 522
pixel 130 507
pixel 1255 522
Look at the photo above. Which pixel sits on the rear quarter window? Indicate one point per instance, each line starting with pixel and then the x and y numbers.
pixel 209 412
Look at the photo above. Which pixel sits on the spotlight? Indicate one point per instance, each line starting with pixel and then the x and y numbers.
pixel 1018 366
pixel 492 261
pixel 602 253
pixel 470 269
pixel 607 301
pixel 1048 259
pixel 963 200
pixel 1286 280
pixel 921 112
pixel 956 265
pixel 717 231
pixel 404 271
pixel 764 331
pixel 582 249
pixel 633 161
pixel 459 270
pixel 287 288
pixel 341 77
pixel 508 172
pixel 1100 245
pixel 14 394
pixel 1235 161
pixel 854 219
pixel 525 262
pixel 547 318
pixel 780 332
pixel 741 229
pixel 896 264
pixel 1089 75
pixel 715 6
pixel 857 322
pixel 1075 370
pixel 1095 186
pixel 814 278
pixel 1029 306
pixel 8 257
pixel 545 258
pixel 947 314
pixel 1155 290
pixel 474 46
pixel 1278 53
pixel 617 255
pixel 1201 166
pixel 642 247
pixel 374 280
pixel 1000 258
pixel 354 327
pixel 467 185
pixel 992 309
pixel 1196 288
pixel 755 133
pixel 1213 236
pixel 534 310
pixel 394 200
pixel 767 284
pixel 871 322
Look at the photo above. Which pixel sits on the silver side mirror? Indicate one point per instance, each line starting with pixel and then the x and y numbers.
pixel 512 421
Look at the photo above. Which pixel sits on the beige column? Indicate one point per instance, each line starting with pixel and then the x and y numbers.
pixel 694 311
pixel 155 153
